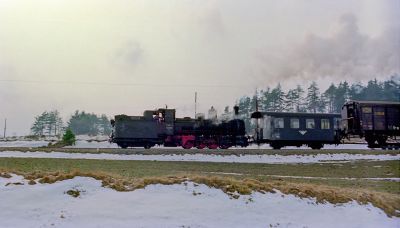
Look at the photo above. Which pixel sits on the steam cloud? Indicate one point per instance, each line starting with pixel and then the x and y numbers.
pixel 346 54
pixel 129 55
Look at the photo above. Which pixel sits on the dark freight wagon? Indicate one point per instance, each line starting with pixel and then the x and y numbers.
pixel 281 129
pixel 376 121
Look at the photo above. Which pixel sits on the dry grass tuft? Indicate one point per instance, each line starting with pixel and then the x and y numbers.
pixel 74 193
pixel 15 183
pixel 5 175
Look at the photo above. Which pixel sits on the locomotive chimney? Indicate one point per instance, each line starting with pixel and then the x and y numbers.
pixel 236 108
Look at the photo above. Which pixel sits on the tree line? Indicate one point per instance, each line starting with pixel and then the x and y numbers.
pixel 313 100
pixel 50 123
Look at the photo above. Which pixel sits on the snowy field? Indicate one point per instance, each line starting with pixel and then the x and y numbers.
pixel 105 144
pixel 94 144
pixel 183 205
pixel 23 143
pixel 79 144
pixel 267 159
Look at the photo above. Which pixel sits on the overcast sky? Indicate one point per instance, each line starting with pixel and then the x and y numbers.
pixel 120 56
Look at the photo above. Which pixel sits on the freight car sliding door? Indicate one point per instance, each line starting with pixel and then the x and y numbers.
pixel 393 118
pixel 366 118
pixel 379 118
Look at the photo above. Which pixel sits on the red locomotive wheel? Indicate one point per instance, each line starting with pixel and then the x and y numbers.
pixel 188 145
pixel 201 146
pixel 213 146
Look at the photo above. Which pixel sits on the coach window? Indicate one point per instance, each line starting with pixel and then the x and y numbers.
pixel 310 123
pixel 279 123
pixel 325 124
pixel 294 123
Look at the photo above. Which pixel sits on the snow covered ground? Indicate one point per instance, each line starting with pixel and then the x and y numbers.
pixel 23 143
pixel 184 205
pixel 93 144
pixel 326 147
pixel 90 143
pixel 105 144
pixel 79 144
pixel 267 159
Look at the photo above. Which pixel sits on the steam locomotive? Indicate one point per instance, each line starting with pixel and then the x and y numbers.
pixel 375 121
pixel 161 127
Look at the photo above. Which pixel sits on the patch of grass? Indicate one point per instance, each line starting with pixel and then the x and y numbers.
pixel 15 183
pixel 263 172
pixel 74 193
pixel 130 175
pixel 5 175
pixel 55 145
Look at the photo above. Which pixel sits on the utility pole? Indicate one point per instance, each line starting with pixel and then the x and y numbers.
pixel 195 104
pixel 256 96
pixel 5 128
pixel 257 127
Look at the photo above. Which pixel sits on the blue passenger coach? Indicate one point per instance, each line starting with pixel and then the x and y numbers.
pixel 281 129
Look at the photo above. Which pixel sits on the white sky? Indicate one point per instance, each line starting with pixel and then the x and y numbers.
pixel 145 54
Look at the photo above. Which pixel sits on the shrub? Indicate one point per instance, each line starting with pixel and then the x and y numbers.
pixel 68 138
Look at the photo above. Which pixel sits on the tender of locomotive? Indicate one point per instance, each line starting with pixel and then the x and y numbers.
pixel 376 121
pixel 281 129
pixel 142 131
pixel 161 127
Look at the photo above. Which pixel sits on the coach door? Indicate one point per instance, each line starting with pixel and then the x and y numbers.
pixel 267 127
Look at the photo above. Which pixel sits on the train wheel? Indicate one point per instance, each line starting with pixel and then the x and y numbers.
pixel 316 146
pixel 201 146
pixel 188 145
pixel 224 146
pixel 147 146
pixel 381 141
pixel 212 146
pixel 371 144
pixel 123 145
pixel 371 141
pixel 276 146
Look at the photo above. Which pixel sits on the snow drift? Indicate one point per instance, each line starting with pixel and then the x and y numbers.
pixel 179 205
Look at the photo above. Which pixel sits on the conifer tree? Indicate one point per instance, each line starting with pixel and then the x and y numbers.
pixel 313 97
pixel 299 99
pixel 277 99
pixel 47 123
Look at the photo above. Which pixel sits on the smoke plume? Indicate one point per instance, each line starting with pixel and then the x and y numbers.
pixel 345 54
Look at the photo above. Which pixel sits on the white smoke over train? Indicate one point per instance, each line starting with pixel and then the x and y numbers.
pixel 345 54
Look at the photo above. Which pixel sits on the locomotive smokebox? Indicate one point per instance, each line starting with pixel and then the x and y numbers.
pixel 236 108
